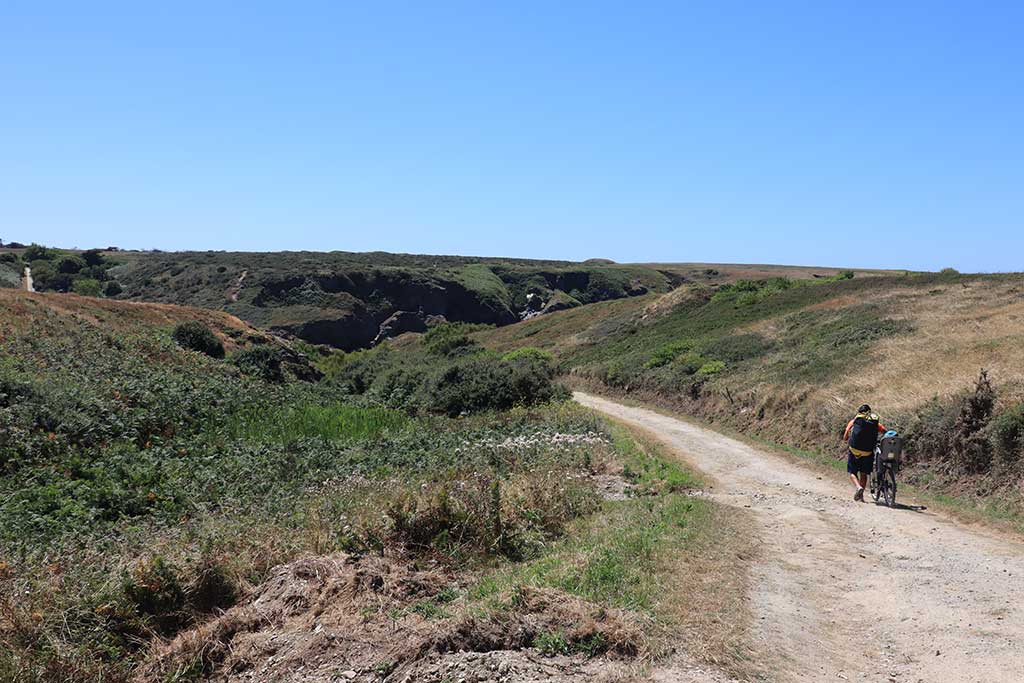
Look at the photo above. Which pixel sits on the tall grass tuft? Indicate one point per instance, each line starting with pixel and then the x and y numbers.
pixel 333 422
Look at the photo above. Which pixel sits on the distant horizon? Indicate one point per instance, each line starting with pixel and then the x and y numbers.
pixel 157 250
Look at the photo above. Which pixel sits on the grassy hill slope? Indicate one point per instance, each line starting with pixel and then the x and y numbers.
pixel 791 361
pixel 149 493
pixel 341 298
pixel 352 300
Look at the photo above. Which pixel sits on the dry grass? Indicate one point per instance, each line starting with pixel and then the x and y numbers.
pixel 21 309
pixel 563 330
pixel 959 330
pixel 707 596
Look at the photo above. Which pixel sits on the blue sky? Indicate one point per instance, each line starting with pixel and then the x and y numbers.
pixel 884 134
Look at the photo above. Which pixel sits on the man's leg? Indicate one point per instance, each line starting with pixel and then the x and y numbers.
pixel 851 467
pixel 864 468
pixel 855 476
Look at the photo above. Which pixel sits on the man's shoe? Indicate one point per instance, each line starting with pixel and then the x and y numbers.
pixel 859 495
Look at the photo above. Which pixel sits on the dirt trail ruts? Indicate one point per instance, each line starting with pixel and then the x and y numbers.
pixel 855 591
pixel 236 288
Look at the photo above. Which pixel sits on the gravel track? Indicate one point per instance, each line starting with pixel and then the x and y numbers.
pixel 856 591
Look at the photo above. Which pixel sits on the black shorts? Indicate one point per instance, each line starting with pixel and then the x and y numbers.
pixel 859 464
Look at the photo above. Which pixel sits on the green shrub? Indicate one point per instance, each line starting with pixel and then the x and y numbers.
pixel 485 382
pixel 689 363
pixel 668 353
pixel 8 257
pixel 399 387
pixel 711 368
pixel 37 252
pixel 46 277
pixel 972 452
pixel 450 339
pixel 113 288
pixel 1006 434
pixel 70 265
pixel 354 373
pixel 959 433
pixel 93 257
pixel 530 353
pixel 263 361
pixel 930 435
pixel 86 287
pixel 196 336
pixel 604 283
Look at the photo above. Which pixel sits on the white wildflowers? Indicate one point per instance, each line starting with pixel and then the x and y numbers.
pixel 552 440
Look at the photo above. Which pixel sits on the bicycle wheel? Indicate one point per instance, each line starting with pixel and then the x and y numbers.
pixel 889 486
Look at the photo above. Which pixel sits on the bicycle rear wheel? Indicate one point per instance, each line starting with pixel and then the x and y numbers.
pixel 888 486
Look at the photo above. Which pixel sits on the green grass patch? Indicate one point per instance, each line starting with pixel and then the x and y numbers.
pixel 643 464
pixel 616 557
pixel 333 422
pixel 613 559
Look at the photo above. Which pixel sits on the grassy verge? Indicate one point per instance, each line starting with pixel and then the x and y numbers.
pixel 675 561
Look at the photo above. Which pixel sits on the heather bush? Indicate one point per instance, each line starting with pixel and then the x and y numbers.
pixel 1006 435
pixel 262 361
pixel 196 336
pixel 970 447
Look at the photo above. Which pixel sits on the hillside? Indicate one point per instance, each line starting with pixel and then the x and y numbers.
pixel 184 498
pixel 346 300
pixel 354 300
pixel 790 363
pixel 227 507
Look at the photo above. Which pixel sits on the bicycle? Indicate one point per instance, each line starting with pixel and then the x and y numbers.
pixel 887 464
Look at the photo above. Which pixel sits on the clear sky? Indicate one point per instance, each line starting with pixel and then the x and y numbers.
pixel 887 134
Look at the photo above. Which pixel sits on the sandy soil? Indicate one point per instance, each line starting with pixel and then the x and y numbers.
pixel 855 591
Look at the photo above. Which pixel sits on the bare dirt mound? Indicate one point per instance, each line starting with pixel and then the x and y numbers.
pixel 347 618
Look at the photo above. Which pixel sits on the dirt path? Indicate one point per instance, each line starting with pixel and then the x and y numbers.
pixel 236 289
pixel 855 591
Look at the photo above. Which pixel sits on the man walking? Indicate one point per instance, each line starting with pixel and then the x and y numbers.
pixel 861 435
